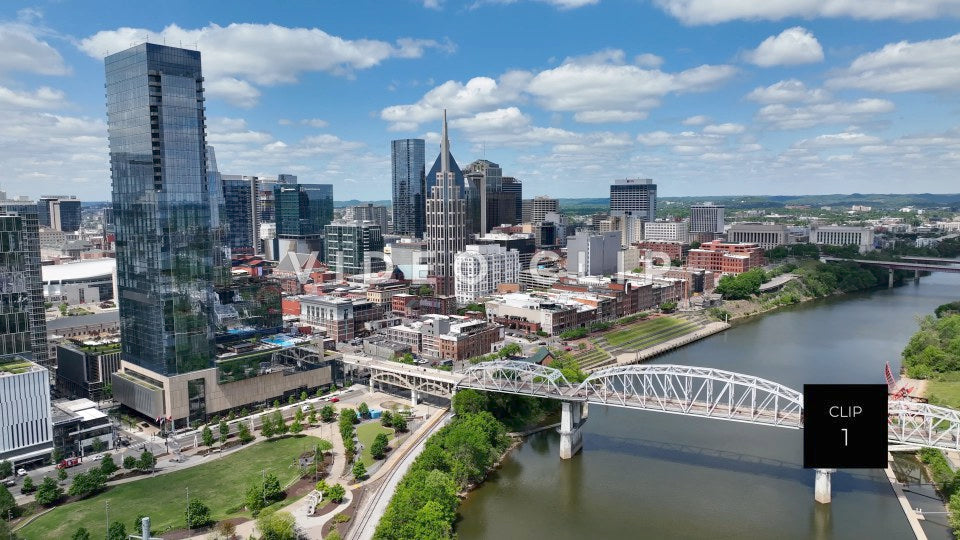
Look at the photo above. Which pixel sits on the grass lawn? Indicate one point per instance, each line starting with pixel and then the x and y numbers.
pixel 945 391
pixel 220 484
pixel 626 335
pixel 366 432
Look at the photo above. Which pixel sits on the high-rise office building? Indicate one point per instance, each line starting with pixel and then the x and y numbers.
pixel 593 254
pixel 59 212
pixel 513 186
pixel 371 212
pixel 23 324
pixel 540 206
pixel 492 199
pixel 241 214
pixel 706 218
pixel 480 268
pixel 302 211
pixel 162 209
pixel 266 203
pixel 350 244
pixel 409 186
pixel 634 196
pixel 446 215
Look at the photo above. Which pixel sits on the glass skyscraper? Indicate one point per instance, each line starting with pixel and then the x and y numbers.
pixel 303 209
pixel 240 197
pixel 409 186
pixel 23 325
pixel 162 208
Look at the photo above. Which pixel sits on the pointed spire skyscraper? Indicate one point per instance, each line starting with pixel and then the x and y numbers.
pixel 446 218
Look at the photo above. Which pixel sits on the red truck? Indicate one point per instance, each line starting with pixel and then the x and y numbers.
pixel 69 462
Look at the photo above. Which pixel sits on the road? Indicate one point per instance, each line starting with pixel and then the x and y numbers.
pixel 375 503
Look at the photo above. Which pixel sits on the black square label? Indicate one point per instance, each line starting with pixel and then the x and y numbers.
pixel 845 426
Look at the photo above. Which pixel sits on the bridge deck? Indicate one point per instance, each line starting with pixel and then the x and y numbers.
pixel 899 265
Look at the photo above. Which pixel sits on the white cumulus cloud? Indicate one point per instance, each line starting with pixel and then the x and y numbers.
pixel 717 11
pixel 932 65
pixel 23 51
pixel 793 46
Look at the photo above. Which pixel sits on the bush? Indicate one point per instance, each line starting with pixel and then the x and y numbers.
pixel 147 461
pixel 378 449
pixel 574 333
pixel 130 463
pixel 336 493
pixel 243 433
pixel 108 466
pixel 197 514
pixel 359 470
pixel 399 423
pixel 117 531
pixel 363 410
pixel 27 486
pixel 327 413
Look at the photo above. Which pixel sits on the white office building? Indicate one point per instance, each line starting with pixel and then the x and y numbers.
pixel 480 268
pixel 706 218
pixel 837 235
pixel 667 231
pixel 26 432
pixel 767 235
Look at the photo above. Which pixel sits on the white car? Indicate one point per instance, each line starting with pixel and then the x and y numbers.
pixel 98 457
pixel 21 472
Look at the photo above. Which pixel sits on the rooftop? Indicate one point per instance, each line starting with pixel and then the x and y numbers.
pixel 15 365
pixel 79 270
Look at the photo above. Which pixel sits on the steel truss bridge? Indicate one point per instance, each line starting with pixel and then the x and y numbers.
pixel 673 389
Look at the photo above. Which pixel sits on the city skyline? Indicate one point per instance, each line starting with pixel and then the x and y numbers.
pixel 709 101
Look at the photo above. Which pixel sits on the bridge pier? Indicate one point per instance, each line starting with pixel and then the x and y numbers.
pixel 821 489
pixel 890 278
pixel 916 276
pixel 571 420
pixel 414 397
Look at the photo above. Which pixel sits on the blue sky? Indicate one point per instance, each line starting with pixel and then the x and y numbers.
pixel 706 97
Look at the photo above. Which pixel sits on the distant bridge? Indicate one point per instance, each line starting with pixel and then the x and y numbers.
pixel 930 264
pixel 673 389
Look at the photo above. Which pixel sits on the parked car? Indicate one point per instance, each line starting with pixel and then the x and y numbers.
pixel 98 457
pixel 21 472
pixel 334 399
pixel 10 482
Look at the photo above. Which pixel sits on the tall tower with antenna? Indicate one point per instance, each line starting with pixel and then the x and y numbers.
pixel 446 218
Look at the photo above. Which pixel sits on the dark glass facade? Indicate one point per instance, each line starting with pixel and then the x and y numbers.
pixel 303 209
pixel 240 203
pixel 23 325
pixel 347 244
pixel 61 213
pixel 162 208
pixel 409 186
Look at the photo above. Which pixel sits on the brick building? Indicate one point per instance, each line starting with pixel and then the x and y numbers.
pixel 727 258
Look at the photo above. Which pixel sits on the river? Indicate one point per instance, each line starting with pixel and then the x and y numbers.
pixel 655 475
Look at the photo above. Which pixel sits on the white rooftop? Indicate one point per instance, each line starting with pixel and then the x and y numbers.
pixel 78 270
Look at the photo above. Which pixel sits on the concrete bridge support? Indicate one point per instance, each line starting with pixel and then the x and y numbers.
pixel 890 278
pixel 414 397
pixel 571 420
pixel 916 276
pixel 821 489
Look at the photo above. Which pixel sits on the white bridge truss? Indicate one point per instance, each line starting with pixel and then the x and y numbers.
pixel 703 392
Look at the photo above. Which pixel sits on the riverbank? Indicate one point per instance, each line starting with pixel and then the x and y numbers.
pixel 643 355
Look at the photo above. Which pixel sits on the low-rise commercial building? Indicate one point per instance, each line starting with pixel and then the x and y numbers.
pixel 727 258
pixel 84 367
pixel 836 235
pixel 26 431
pixel 78 425
pixel 445 337
pixel 666 231
pixel 766 235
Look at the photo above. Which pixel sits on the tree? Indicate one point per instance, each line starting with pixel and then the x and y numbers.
pixel 243 433
pixel 333 535
pixel 27 486
pixel 292 399
pixel 197 514
pixel 303 395
pixel 266 425
pixel 147 461
pixel 138 523
pixel 298 414
pixel 271 488
pixel 296 427
pixel 49 492
pixel 56 456
pixel 511 349
pixel 207 436
pixel 378 448
pixel 323 446
pixel 244 412
pixel 117 531
pixel 279 424
pixel 80 534
pixel 276 404
pixel 327 413
pixel 668 307
pixel 336 493
pixel 313 416
pixel 130 463
pixel 87 484
pixel 224 432
pixel 386 419
pixel 61 475
pixel 99 445
pixel 469 402
pixel 108 466
pixel 277 526
pixel 363 409
pixel 399 423
pixel 6 469
pixel 359 470
pixel 8 505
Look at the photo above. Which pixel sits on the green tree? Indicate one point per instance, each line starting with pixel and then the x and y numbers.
pixel 266 425
pixel 399 423
pixel 277 526
pixel 668 307
pixel 197 514
pixel 469 401
pixel 271 488
pixel 243 433
pixel 292 399
pixel 511 349
pixel 386 419
pixel 363 409
pixel 8 504
pixel 61 475
pixel 138 523
pixel 27 486
pixel 56 456
pixel 80 534
pixel 431 521
pixel 336 493
pixel 49 492
pixel 147 461
pixel 87 484
pixel 333 535
pixel 279 424
pixel 98 445
pixel 276 404
pixel 359 470
pixel 298 414
pixel 207 436
pixel 296 427
pixel 6 469
pixel 130 463
pixel 378 449
pixel 327 413
pixel 108 466
pixel 117 531
pixel 224 431
pixel 313 416
pixel 303 395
